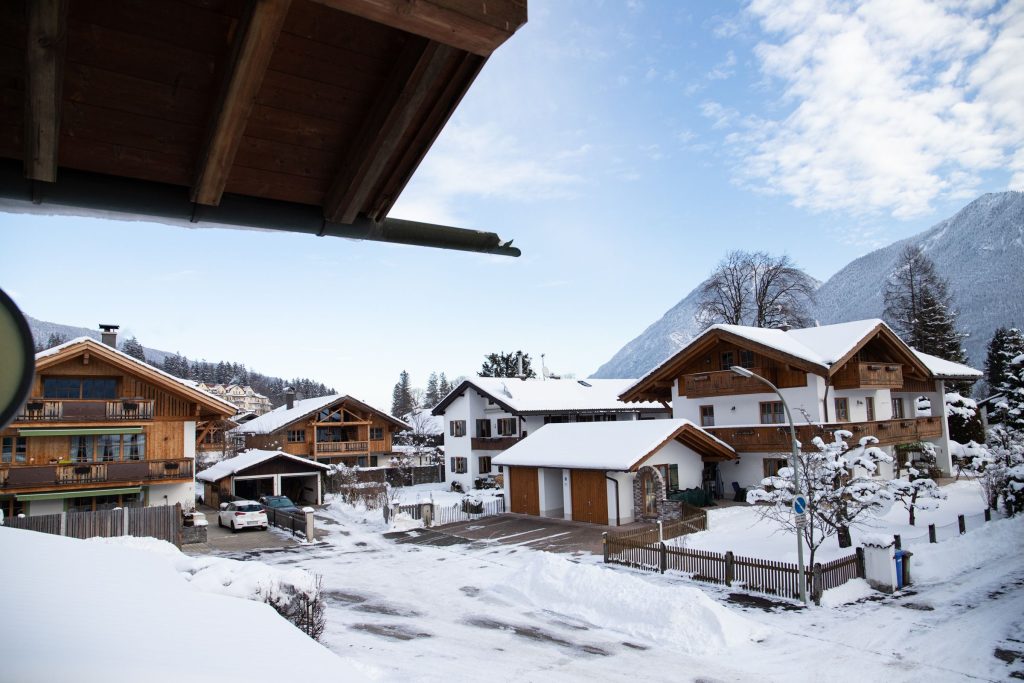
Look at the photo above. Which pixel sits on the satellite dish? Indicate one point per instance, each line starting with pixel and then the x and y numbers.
pixel 17 360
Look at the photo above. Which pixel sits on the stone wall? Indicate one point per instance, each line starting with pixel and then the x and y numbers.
pixel 666 509
pixel 193 534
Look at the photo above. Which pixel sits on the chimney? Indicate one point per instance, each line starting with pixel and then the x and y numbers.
pixel 108 334
pixel 289 398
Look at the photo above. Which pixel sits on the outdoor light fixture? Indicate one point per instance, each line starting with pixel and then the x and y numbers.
pixel 795 462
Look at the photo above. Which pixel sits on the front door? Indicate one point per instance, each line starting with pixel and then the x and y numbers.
pixel 589 496
pixel 524 490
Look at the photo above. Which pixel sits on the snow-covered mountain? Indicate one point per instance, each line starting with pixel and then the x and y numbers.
pixel 980 251
pixel 41 331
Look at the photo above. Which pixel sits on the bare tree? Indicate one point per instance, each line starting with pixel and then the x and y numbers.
pixel 756 289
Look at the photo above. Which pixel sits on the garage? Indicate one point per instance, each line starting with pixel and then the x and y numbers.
pixel 257 473
pixel 525 491
pixel 589 496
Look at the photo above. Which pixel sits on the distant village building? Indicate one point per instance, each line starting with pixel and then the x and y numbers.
pixel 246 399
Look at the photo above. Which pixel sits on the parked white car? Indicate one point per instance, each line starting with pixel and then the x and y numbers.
pixel 242 514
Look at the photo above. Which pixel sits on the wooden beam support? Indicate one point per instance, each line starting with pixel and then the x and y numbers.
pixel 477 26
pixel 252 49
pixel 44 68
pixel 418 71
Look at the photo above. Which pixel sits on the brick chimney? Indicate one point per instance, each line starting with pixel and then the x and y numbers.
pixel 108 334
pixel 289 398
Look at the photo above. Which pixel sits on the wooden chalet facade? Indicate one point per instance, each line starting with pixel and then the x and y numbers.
pixel 859 377
pixel 329 429
pixel 101 429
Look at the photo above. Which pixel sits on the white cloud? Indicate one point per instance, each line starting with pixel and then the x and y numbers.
pixel 723 69
pixel 889 105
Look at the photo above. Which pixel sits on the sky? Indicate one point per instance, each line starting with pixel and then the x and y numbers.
pixel 625 147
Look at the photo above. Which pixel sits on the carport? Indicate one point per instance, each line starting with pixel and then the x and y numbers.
pixel 258 473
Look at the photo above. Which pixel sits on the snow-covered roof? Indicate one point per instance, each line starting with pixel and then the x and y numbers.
pixel 225 468
pixel 615 446
pixel 545 396
pixel 282 415
pixel 187 383
pixel 947 369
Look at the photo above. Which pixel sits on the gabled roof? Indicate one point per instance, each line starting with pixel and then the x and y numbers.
pixel 281 416
pixel 619 446
pixel 246 459
pixel 62 352
pixel 821 350
pixel 551 396
pixel 947 369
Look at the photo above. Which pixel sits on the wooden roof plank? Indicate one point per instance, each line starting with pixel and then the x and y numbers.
pixel 253 47
pixel 44 65
pixel 477 26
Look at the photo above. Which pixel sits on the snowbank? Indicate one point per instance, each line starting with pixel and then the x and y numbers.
pixel 683 616
pixel 851 591
pixel 92 611
pixel 936 562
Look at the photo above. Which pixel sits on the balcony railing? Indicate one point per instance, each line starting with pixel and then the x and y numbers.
pixel 71 474
pixel 342 446
pixel 496 443
pixel 769 438
pixel 724 383
pixel 61 410
pixel 869 375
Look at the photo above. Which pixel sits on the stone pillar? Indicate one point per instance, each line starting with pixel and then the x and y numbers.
pixel 880 564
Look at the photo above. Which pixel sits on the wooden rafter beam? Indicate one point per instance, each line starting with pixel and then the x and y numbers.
pixel 419 69
pixel 477 26
pixel 253 46
pixel 44 67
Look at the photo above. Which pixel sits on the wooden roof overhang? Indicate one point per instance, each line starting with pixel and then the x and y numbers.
pixel 913 366
pixel 708 447
pixel 301 115
pixel 210 407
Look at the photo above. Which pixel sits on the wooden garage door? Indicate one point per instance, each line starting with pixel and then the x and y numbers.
pixel 589 496
pixel 525 492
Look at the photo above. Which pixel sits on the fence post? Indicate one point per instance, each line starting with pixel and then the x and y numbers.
pixel 860 562
pixel 730 568
pixel 931 534
pixel 963 523
pixel 310 528
pixel 604 545
pixel 898 541
pixel 817 588
pixel 663 560
pixel 63 524
pixel 988 514
pixel 661 532
pixel 124 522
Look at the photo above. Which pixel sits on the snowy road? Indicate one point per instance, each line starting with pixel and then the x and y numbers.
pixel 508 612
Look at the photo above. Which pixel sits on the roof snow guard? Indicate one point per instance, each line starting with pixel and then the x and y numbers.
pixel 305 116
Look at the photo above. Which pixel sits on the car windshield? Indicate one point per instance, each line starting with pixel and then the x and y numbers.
pixel 252 507
pixel 280 501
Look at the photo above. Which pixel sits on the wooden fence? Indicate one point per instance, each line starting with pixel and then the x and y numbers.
pixel 637 549
pixel 298 523
pixel 163 522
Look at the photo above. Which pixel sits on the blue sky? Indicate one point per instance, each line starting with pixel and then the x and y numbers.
pixel 625 147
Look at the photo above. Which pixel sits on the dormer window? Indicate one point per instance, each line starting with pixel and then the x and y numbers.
pixel 728 359
pixel 746 358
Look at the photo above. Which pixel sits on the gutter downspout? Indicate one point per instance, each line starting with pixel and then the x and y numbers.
pixel 618 520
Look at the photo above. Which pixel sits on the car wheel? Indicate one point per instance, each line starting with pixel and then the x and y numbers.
pixel 220 522
pixel 234 529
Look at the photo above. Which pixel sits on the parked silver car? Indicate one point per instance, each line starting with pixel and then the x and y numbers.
pixel 242 514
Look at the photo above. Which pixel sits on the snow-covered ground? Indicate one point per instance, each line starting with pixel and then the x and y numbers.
pixel 441 494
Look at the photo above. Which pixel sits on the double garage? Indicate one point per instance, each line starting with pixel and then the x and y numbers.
pixel 256 473
pixel 588 493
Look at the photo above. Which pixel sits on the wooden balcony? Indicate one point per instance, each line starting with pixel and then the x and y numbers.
pixel 869 376
pixel 77 475
pixel 775 438
pixel 342 446
pixel 724 383
pixel 61 410
pixel 495 443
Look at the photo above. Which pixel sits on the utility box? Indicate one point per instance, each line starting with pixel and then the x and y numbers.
pixel 880 564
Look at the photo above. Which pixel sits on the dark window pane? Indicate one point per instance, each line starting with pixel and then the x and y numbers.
pixel 62 387
pixel 99 388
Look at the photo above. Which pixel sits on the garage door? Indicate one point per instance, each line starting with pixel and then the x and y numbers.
pixel 589 496
pixel 525 492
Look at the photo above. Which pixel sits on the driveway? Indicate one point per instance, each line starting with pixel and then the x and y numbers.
pixel 223 540
pixel 539 533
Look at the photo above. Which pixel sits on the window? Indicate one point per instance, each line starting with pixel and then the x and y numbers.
pixel 746 358
pixel 842 410
pixel 362 461
pixel 897 409
pixel 134 446
pixel 296 435
pixel 707 416
pixel 485 464
pixel 670 473
pixel 600 417
pixel 460 465
pixel 483 429
pixel 507 426
pixel 457 428
pixel 869 406
pixel 773 465
pixel 107 448
pixel 555 419
pixel 376 433
pixel 15 448
pixel 772 413
pixel 374 460
pixel 75 387
pixel 728 359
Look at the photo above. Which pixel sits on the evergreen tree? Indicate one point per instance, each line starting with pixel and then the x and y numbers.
pixel 503 364
pixel 1010 408
pixel 444 387
pixel 430 396
pixel 1006 344
pixel 133 348
pixel 55 339
pixel 401 396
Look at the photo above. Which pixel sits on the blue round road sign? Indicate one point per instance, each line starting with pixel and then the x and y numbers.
pixel 799 505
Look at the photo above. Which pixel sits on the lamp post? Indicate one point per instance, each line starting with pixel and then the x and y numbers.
pixel 795 462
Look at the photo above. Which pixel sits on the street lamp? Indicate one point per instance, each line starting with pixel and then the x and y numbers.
pixel 795 462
